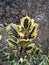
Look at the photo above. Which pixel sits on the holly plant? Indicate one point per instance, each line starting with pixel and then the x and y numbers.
pixel 24 52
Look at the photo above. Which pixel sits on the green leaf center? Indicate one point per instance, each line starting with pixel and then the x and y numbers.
pixel 26 23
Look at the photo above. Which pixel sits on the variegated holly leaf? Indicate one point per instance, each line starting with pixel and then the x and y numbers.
pixel 23 42
pixel 12 43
